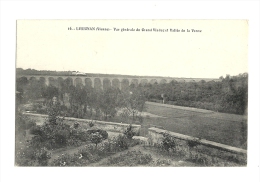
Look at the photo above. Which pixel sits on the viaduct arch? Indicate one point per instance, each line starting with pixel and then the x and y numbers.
pixel 104 82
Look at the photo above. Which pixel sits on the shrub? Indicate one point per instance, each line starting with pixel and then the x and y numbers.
pixel 193 143
pixel 91 124
pixel 60 139
pixel 168 142
pixel 36 130
pixel 37 142
pixel 96 138
pixel 103 133
pixel 121 142
pixel 129 132
pixel 79 134
pixel 76 125
pixel 56 136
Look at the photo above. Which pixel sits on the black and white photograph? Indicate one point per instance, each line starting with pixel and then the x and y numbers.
pixel 131 93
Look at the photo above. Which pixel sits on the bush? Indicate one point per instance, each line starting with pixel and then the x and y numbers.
pixel 36 130
pixel 60 139
pixel 56 136
pixel 103 133
pixel 79 134
pixel 96 138
pixel 193 143
pixel 91 124
pixel 129 132
pixel 168 142
pixel 76 125
pixel 121 142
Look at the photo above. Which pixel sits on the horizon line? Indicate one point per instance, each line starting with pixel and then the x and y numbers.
pixel 112 74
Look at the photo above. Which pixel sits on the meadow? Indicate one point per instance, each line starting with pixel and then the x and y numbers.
pixel 229 129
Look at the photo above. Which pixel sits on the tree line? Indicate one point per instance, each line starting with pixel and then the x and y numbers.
pixel 230 95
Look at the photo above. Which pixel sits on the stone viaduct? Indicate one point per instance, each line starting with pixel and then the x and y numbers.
pixel 105 82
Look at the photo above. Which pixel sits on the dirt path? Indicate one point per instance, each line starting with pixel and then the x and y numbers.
pixel 67 150
pixel 71 149
pixel 174 162
pixel 180 107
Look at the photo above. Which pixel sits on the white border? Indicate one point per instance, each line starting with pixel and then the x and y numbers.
pixel 13 10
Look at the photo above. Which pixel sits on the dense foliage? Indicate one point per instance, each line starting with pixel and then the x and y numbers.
pixel 129 132
pixel 54 134
pixel 168 142
pixel 229 95
pixel 26 154
pixel 193 151
pixel 82 101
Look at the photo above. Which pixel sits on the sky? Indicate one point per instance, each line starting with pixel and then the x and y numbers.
pixel 219 48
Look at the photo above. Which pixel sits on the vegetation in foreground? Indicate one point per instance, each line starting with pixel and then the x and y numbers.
pixel 55 134
pixel 38 152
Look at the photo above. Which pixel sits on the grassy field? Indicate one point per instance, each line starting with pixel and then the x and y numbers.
pixel 229 129
pixel 223 128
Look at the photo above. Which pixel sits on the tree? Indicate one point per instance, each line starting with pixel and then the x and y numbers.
pixel 34 90
pixel 96 138
pixel 53 111
pixel 49 92
pixel 134 102
pixel 108 102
